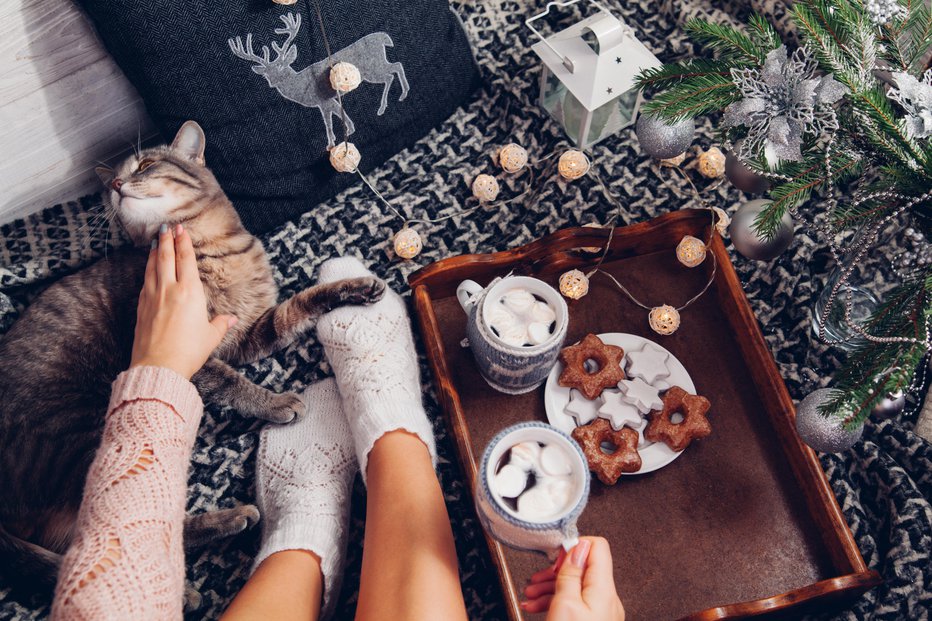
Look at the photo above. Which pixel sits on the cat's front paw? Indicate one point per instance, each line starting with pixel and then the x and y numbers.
pixel 366 290
pixel 285 408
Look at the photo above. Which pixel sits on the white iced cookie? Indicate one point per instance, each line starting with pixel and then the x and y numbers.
pixel 583 410
pixel 640 394
pixel 648 363
pixel 510 481
pixel 553 462
pixel 619 412
pixel 525 456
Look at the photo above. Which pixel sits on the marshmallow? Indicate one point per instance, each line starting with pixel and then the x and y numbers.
pixel 553 461
pixel 525 455
pixel 510 481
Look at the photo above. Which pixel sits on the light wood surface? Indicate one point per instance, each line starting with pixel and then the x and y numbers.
pixel 64 106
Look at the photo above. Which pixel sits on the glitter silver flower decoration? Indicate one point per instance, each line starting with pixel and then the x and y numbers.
pixel 915 96
pixel 783 101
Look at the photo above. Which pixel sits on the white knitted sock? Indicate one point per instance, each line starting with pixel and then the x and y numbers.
pixel 304 474
pixel 371 350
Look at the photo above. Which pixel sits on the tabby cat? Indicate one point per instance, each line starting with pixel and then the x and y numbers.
pixel 58 361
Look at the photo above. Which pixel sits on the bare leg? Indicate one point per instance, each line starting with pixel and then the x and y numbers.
pixel 409 566
pixel 287 586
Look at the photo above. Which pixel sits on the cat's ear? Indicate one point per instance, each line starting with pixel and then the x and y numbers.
pixel 189 142
pixel 106 175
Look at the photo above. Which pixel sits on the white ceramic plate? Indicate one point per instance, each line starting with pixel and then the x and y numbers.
pixel 654 455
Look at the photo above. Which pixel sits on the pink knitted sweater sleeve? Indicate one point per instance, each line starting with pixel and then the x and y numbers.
pixel 126 560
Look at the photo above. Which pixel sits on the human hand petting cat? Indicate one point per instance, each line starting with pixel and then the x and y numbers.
pixel 172 326
pixel 578 587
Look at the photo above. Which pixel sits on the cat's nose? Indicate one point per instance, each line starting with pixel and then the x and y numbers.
pixel 116 184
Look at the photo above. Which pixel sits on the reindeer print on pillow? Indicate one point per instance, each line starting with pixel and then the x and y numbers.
pixel 310 86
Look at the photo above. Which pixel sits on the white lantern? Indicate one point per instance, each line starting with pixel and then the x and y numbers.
pixel 589 70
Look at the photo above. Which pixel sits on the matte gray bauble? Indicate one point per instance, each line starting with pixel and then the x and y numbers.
pixel 890 406
pixel 823 434
pixel 747 241
pixel 660 139
pixel 741 176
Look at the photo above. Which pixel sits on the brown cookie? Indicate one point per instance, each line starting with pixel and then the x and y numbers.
pixel 608 466
pixel 677 436
pixel 575 375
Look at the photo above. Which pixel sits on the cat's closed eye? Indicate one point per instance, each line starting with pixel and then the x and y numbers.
pixel 144 164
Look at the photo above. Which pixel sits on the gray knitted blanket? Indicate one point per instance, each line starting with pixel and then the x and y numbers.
pixel 884 484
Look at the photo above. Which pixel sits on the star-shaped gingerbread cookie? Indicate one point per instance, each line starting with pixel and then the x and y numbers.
pixel 694 425
pixel 607 357
pixel 608 466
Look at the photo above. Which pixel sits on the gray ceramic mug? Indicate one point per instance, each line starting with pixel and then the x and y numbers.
pixel 511 369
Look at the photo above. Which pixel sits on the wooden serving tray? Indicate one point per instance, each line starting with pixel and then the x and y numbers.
pixel 744 523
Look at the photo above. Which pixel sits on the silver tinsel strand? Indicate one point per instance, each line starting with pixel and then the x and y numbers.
pixel 783 101
pixel 916 98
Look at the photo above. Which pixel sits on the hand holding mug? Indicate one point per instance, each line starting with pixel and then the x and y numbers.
pixel 579 586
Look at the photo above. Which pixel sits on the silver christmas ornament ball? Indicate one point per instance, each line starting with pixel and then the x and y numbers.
pixel 890 406
pixel 662 140
pixel 748 242
pixel 741 176
pixel 823 434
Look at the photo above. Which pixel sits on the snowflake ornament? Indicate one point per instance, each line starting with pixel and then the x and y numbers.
pixel 783 101
pixel 915 96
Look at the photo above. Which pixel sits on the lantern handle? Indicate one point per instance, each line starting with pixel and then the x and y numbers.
pixel 566 59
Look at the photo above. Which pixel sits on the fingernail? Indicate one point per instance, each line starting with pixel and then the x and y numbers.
pixel 580 553
pixel 155 244
pixel 163 229
pixel 178 230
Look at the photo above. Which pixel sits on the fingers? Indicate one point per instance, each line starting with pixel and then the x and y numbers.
pixel 569 577
pixel 533 591
pixel 219 326
pixel 150 284
pixel 598 577
pixel 541 604
pixel 166 257
pixel 185 260
pixel 544 575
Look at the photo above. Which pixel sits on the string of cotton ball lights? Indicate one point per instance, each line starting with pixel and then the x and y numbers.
pixel 691 252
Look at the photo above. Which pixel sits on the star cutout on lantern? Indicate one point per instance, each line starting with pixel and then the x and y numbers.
pixel 618 60
pixel 694 425
pixel 619 412
pixel 649 363
pixel 609 90
pixel 583 410
pixel 641 394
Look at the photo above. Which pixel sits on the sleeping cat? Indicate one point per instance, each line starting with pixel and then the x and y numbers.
pixel 58 361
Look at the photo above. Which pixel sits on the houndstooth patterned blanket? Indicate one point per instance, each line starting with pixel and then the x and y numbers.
pixel 884 484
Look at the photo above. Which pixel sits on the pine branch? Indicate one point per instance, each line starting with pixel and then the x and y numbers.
pixel 919 28
pixel 826 37
pixel 875 369
pixel 807 176
pixel 763 33
pixel 730 43
pixel 690 89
